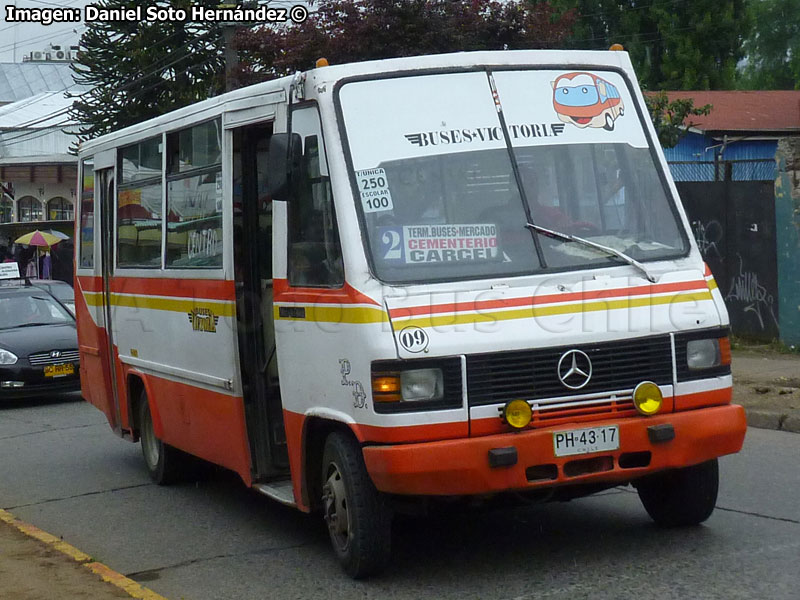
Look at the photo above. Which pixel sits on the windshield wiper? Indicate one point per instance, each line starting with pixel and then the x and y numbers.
pixel 33 324
pixel 565 237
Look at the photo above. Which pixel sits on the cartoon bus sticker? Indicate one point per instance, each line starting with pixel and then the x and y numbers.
pixel 586 100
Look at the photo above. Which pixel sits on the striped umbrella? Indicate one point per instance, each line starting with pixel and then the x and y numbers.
pixel 59 234
pixel 38 238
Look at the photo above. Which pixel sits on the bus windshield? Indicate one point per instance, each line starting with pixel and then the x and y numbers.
pixel 438 190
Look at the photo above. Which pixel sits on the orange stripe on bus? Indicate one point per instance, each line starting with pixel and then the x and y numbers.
pixel 347 294
pixel 547 299
pixel 206 289
pixel 702 399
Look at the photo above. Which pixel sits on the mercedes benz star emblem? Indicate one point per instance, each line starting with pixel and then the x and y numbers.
pixel 574 369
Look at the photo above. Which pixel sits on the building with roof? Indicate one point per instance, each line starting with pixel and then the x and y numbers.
pixel 738 174
pixel 19 81
pixel 38 174
pixel 36 168
pixel 744 127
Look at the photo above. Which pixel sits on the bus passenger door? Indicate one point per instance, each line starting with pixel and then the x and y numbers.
pixel 252 209
pixel 104 185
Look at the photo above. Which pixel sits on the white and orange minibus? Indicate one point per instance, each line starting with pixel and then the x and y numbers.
pixel 370 284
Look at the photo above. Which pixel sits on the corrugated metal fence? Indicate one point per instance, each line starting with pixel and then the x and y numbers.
pixel 756 169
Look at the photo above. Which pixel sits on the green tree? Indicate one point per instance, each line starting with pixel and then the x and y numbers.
pixel 773 49
pixel 673 44
pixel 670 118
pixel 139 70
pixel 346 31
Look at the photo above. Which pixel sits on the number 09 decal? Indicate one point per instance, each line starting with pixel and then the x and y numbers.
pixel 414 339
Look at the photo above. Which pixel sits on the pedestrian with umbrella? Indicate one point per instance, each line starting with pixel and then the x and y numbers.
pixel 38 239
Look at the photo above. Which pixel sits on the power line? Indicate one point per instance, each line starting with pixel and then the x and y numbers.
pixel 46 36
pixel 28 136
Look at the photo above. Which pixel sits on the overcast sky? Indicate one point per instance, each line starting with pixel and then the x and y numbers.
pixel 30 36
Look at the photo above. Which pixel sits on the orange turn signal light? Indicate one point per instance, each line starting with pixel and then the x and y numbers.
pixel 724 351
pixel 322 62
pixel 386 388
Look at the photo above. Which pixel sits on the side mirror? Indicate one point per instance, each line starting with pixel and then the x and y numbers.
pixel 285 157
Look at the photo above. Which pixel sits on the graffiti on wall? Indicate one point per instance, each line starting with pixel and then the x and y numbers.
pixel 746 289
pixel 708 236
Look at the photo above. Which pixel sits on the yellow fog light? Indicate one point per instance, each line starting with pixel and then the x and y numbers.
pixel 518 413
pixel 647 398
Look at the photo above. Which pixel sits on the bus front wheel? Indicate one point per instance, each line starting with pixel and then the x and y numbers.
pixel 163 462
pixel 358 518
pixel 681 497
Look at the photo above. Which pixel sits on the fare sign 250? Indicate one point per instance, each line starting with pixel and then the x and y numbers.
pixel 373 186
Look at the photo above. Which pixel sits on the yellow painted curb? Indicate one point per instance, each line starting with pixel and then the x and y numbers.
pixel 122 582
pixel 107 574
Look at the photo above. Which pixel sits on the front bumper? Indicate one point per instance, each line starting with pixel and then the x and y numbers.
pixel 35 382
pixel 461 467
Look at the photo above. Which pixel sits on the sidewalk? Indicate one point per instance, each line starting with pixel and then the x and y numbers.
pixel 767 384
pixel 35 565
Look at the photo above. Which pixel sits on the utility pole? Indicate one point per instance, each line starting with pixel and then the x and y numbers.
pixel 229 52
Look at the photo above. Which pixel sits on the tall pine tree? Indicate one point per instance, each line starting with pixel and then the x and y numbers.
pixel 138 70
pixel 773 49
pixel 674 44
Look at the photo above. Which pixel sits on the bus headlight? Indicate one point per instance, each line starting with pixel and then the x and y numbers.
pixel 647 398
pixel 704 354
pixel 409 386
pixel 7 358
pixel 422 384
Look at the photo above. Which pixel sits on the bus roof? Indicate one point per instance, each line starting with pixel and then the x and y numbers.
pixel 250 95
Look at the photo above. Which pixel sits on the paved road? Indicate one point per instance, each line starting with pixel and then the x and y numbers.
pixel 63 470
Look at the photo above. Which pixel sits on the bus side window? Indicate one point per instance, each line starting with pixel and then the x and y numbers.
pixel 86 240
pixel 315 254
pixel 139 215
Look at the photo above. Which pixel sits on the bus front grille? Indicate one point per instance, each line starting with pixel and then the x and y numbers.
pixel 617 367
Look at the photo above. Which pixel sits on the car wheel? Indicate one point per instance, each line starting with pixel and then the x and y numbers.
pixel 681 497
pixel 609 126
pixel 163 461
pixel 359 520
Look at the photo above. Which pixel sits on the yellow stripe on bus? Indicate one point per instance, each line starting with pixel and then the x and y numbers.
pixel 548 311
pixel 220 309
pixel 336 314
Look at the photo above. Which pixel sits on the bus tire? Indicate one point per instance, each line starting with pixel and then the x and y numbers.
pixel 609 126
pixel 163 461
pixel 358 517
pixel 681 497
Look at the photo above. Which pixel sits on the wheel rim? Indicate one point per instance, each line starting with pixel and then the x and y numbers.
pixel 150 446
pixel 337 516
